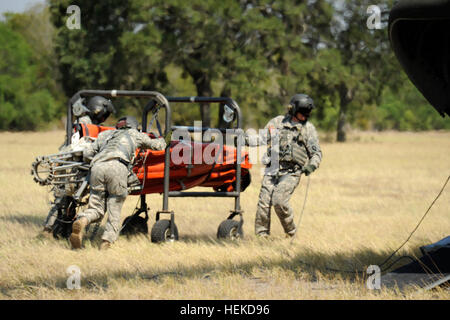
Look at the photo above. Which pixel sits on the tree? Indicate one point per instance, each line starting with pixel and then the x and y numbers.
pixel 367 59
pixel 24 105
pixel 110 50
pixel 325 49
pixel 212 43
pixel 259 52
pixel 294 37
pixel 35 27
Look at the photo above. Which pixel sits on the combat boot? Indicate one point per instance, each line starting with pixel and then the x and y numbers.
pixel 290 234
pixel 105 245
pixel 76 238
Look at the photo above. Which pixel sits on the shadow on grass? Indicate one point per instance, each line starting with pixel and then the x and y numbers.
pixel 305 265
pixel 24 219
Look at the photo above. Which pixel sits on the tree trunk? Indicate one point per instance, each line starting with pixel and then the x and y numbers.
pixel 203 85
pixel 342 121
pixel 345 97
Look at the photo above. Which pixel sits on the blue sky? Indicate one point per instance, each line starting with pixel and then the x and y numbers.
pixel 17 5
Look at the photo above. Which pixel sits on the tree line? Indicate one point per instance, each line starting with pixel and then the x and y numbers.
pixel 259 53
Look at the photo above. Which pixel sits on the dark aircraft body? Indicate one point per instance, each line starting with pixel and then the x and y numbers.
pixel 419 31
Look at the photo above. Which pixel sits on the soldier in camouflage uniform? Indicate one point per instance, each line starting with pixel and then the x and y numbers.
pixel 112 154
pixel 293 141
pixel 96 112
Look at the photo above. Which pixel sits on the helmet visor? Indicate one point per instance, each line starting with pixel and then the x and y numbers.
pixel 304 111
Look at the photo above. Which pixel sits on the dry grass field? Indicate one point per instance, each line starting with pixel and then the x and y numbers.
pixel 362 204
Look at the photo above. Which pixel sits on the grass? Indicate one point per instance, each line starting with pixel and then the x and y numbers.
pixel 363 202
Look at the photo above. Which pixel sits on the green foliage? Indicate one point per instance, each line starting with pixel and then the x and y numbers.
pixel 112 50
pixel 407 109
pixel 24 105
pixel 259 52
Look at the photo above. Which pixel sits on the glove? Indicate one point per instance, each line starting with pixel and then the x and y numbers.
pixel 307 170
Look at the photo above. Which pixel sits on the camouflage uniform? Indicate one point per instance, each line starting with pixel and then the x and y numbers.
pixel 111 153
pixel 84 120
pixel 286 138
pixel 99 108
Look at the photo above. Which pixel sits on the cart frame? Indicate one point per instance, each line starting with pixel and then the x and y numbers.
pixel 158 100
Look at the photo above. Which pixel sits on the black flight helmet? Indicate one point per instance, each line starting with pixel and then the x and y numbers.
pixel 100 108
pixel 301 103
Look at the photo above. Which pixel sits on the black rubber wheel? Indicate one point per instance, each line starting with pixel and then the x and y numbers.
pixel 67 210
pixel 161 231
pixel 230 229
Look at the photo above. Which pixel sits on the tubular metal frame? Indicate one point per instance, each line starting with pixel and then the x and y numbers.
pixel 159 100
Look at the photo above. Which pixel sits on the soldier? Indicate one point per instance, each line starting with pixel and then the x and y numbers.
pixel 96 112
pixel 112 154
pixel 297 152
